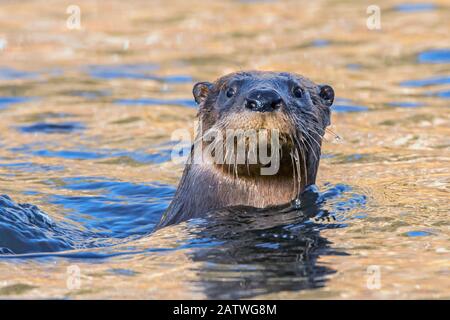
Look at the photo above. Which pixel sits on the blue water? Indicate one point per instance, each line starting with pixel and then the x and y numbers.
pixel 7 101
pixel 84 153
pixel 406 104
pixel 347 105
pixel 354 66
pixel 348 108
pixel 133 71
pixel 415 7
pixel 417 233
pixel 430 82
pixel 25 228
pixel 90 95
pixel 30 167
pixel 42 127
pixel 155 102
pixel 435 56
pixel 438 80
pixel 13 74
pixel 113 208
pixel 443 94
pixel 87 217
pixel 354 157
pixel 105 213
pixel 321 43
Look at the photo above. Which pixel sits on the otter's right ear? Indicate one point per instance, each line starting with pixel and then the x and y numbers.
pixel 200 91
pixel 327 94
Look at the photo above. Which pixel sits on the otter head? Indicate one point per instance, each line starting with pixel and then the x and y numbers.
pixel 285 105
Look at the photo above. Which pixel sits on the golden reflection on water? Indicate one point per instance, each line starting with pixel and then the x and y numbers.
pixel 399 157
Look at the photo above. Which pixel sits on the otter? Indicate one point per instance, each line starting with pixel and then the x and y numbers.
pixel 287 106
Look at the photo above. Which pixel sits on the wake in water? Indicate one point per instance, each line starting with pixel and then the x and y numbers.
pixel 25 229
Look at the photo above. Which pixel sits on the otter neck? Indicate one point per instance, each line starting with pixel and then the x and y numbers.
pixel 219 189
pixel 229 185
pixel 206 186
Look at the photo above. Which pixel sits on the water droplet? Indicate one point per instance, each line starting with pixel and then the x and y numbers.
pixel 297 203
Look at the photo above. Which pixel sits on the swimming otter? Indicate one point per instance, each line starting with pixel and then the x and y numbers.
pixel 286 105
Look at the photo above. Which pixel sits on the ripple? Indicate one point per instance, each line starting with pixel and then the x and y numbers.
pixel 69 154
pixel 7 101
pixel 13 74
pixel 405 104
pixel 443 94
pixel 348 108
pixel 347 105
pixel 106 213
pixel 259 251
pixel 113 208
pixel 133 71
pixel 320 43
pixel 115 212
pixel 417 234
pixel 156 102
pixel 123 272
pixel 439 80
pixel 16 289
pixel 434 56
pixel 111 155
pixel 25 228
pixel 30 167
pixel 43 116
pixel 354 66
pixel 414 7
pixel 42 127
pixel 141 157
pixel 89 94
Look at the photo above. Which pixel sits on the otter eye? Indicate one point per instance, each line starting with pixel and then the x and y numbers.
pixel 298 92
pixel 230 92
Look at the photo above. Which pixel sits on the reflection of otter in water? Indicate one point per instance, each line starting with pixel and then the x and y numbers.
pixel 261 251
pixel 289 104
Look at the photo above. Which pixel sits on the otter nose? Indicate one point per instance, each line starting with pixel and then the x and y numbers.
pixel 263 100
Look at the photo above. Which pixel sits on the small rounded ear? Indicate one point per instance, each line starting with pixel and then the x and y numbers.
pixel 200 91
pixel 327 94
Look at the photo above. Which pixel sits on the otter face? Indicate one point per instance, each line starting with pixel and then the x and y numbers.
pixel 287 105
pixel 264 100
pixel 239 114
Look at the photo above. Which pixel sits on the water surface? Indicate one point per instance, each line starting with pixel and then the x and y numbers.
pixel 86 123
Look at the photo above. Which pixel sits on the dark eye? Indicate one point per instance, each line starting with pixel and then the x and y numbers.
pixel 298 92
pixel 230 92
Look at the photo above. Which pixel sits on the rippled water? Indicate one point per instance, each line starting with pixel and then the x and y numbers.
pixel 86 123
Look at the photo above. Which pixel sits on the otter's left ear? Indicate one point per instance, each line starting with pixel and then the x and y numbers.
pixel 327 94
pixel 200 91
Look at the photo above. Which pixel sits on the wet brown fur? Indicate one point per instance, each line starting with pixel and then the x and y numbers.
pixel 207 186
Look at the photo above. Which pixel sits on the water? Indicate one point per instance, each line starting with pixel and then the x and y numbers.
pixel 85 168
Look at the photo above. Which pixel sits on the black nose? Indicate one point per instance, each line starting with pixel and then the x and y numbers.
pixel 263 100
